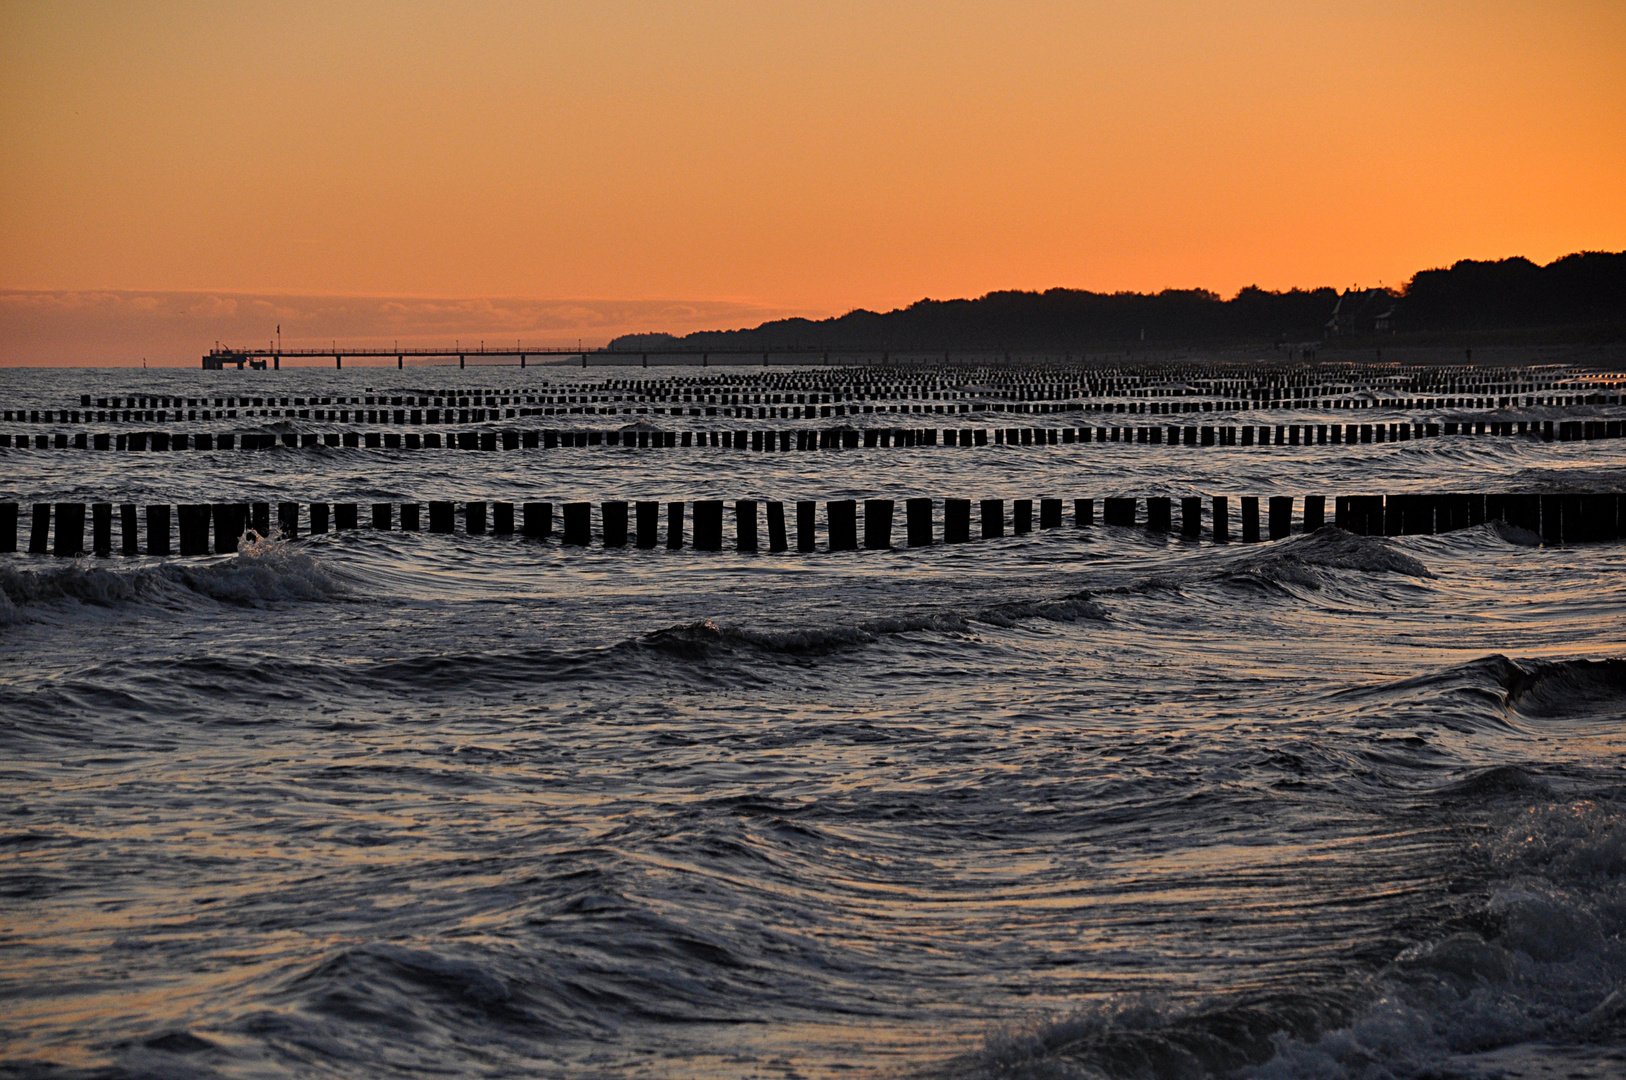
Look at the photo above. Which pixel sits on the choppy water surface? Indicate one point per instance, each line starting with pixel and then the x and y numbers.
pixel 1078 803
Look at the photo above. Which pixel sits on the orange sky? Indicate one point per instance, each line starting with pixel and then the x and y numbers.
pixel 796 157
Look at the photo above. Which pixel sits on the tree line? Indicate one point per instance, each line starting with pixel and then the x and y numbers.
pixel 1587 289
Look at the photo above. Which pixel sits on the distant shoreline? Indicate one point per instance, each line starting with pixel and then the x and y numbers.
pixel 1577 299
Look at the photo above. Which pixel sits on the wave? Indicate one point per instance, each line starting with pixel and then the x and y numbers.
pixel 709 639
pixel 1514 535
pixel 1141 1036
pixel 1545 966
pixel 1568 689
pixel 1313 561
pixel 386 978
pixel 1486 679
pixel 263 571
pixel 1491 693
pixel 1497 782
pixel 1302 560
pixel 705 637
pixel 1538 964
pixel 585 964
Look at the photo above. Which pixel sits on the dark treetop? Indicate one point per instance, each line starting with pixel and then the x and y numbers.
pixel 1581 290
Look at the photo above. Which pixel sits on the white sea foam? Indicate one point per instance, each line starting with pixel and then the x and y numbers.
pixel 1550 970
pixel 264 570
pixel 1547 968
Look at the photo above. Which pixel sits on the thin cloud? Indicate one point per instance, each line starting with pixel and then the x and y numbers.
pixel 94 328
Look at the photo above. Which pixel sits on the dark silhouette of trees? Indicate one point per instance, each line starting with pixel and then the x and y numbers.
pixel 1588 287
pixel 1581 289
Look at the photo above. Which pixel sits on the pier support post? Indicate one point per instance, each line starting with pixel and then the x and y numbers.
pixel 1250 519
pixel 1315 512
pixel 578 524
pixel 288 520
pixel 878 524
pixel 101 529
pixel 537 520
pixel 229 523
pixel 1394 515
pixel 442 517
pixel 1084 513
pixel 1600 518
pixel 1021 516
pixel 158 529
pixel 1191 516
pixel 993 518
pixel 956 521
pixel 1476 509
pixel 1159 513
pixel 708 525
pixel 806 537
pixel 129 529
pixel 777 537
pixel 502 519
pixel 613 521
pixel 194 528
pixel 1522 511
pixel 745 525
pixel 841 520
pixel 1049 513
pixel 39 533
pixel 918 515
pixel 1222 520
pixel 648 516
pixel 1552 519
pixel 1369 514
pixel 1281 516
pixel 1420 515
pixel 70 530
pixel 674 526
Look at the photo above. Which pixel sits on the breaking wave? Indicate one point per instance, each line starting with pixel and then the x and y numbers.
pixel 1568 689
pixel 1540 961
pixel 263 571
pixel 1303 560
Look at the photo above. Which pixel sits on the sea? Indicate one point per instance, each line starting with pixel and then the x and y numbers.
pixel 1077 803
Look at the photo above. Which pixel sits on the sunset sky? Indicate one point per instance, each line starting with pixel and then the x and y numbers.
pixel 654 166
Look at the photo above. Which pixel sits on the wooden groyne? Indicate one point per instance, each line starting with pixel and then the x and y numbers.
pixel 865 390
pixel 1002 375
pixel 158 529
pixel 835 438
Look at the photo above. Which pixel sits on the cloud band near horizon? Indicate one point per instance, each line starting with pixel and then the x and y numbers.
pixel 111 328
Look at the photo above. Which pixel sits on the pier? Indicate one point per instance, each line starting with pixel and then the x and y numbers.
pixel 258 359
